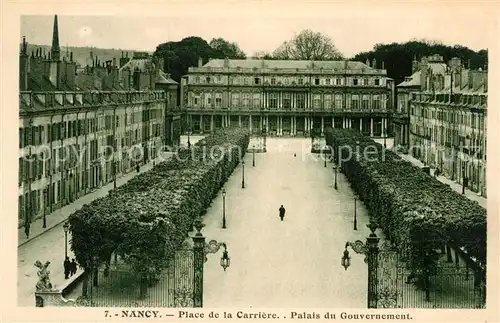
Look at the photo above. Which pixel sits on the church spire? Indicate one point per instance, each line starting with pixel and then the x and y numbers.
pixel 55 50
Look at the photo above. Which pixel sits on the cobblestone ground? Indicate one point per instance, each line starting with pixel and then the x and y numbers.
pixel 294 263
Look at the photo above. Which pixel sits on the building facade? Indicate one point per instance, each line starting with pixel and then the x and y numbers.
pixel 287 98
pixel 441 118
pixel 78 132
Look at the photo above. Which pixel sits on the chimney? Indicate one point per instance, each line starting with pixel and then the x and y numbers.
pixel 414 65
pixel 367 62
pixel 23 66
pixel 374 63
pixel 423 73
pixel 226 62
pixel 114 61
pixel 71 57
pixel 383 65
pixel 200 62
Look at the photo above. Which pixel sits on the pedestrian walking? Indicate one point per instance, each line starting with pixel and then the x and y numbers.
pixel 137 168
pixel 465 184
pixel 74 266
pixel 282 212
pixel 67 268
pixel 27 229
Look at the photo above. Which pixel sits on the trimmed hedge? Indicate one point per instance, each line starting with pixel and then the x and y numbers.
pixel 417 212
pixel 149 217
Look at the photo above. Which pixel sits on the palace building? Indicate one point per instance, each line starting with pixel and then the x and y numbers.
pixel 441 117
pixel 80 131
pixel 287 98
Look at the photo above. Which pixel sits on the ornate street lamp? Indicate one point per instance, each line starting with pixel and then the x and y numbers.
pixel 223 208
pixel 355 217
pixel 225 260
pixel 243 174
pixel 66 228
pixel 346 260
pixel 253 156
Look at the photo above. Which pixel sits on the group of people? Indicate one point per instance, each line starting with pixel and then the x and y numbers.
pixel 69 267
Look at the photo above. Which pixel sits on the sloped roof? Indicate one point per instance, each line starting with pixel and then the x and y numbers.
pixel 413 80
pixel 163 78
pixel 141 63
pixel 282 64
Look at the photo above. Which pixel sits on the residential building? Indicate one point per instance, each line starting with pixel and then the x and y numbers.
pixel 79 131
pixel 441 118
pixel 286 97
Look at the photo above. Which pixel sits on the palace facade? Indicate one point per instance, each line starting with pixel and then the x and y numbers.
pixel 287 98
pixel 80 131
pixel 441 118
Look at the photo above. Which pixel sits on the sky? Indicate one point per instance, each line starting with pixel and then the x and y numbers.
pixel 352 27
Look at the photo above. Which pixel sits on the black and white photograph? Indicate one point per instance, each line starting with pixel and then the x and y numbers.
pixel 334 158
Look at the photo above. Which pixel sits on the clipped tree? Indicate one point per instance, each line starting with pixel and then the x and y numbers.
pixel 308 45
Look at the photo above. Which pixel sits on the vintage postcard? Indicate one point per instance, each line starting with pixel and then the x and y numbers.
pixel 203 161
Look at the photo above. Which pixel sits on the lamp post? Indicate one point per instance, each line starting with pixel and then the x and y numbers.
pixel 385 136
pixel 355 216
pixel 464 179
pixel 243 174
pixel 188 129
pixel 335 163
pixel 66 228
pixel 324 156
pixel 253 156
pixel 44 209
pixel 223 208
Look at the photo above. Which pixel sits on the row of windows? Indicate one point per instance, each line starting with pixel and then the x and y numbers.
pixel 474 120
pixel 35 135
pixel 237 80
pixel 457 98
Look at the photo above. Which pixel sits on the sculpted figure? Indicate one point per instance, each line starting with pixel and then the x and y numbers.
pixel 43 273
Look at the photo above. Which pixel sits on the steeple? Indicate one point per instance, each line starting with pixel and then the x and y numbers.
pixel 55 50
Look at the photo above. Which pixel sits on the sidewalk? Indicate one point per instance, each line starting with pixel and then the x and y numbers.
pixel 57 217
pixel 454 185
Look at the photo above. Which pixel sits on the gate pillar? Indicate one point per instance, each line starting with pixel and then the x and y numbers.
pixel 198 264
pixel 372 260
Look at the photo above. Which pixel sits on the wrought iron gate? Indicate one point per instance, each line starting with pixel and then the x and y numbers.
pixel 441 280
pixel 444 283
pixel 179 285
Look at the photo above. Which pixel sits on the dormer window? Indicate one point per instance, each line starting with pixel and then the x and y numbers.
pixel 208 80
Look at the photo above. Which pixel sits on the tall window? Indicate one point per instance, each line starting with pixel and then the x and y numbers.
pixel 208 100
pixel 301 81
pixel 301 101
pixel 208 79
pixel 316 81
pixel 256 80
pixel 273 101
pixel 196 100
pixel 365 81
pixel 355 102
pixel 377 81
pixel 366 100
pixel 327 81
pixel 235 99
pixel 287 102
pixel 376 102
pixel 245 80
pixel 246 99
pixel 273 81
pixel 235 80
pixel 328 101
pixel 338 101
pixel 218 99
pixel 354 81
pixel 197 79
pixel 338 81
pixel 317 101
pixel 256 100
pixel 286 81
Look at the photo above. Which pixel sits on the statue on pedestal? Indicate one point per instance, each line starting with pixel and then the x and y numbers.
pixel 43 273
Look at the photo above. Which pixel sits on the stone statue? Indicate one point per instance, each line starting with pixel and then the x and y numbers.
pixel 43 283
